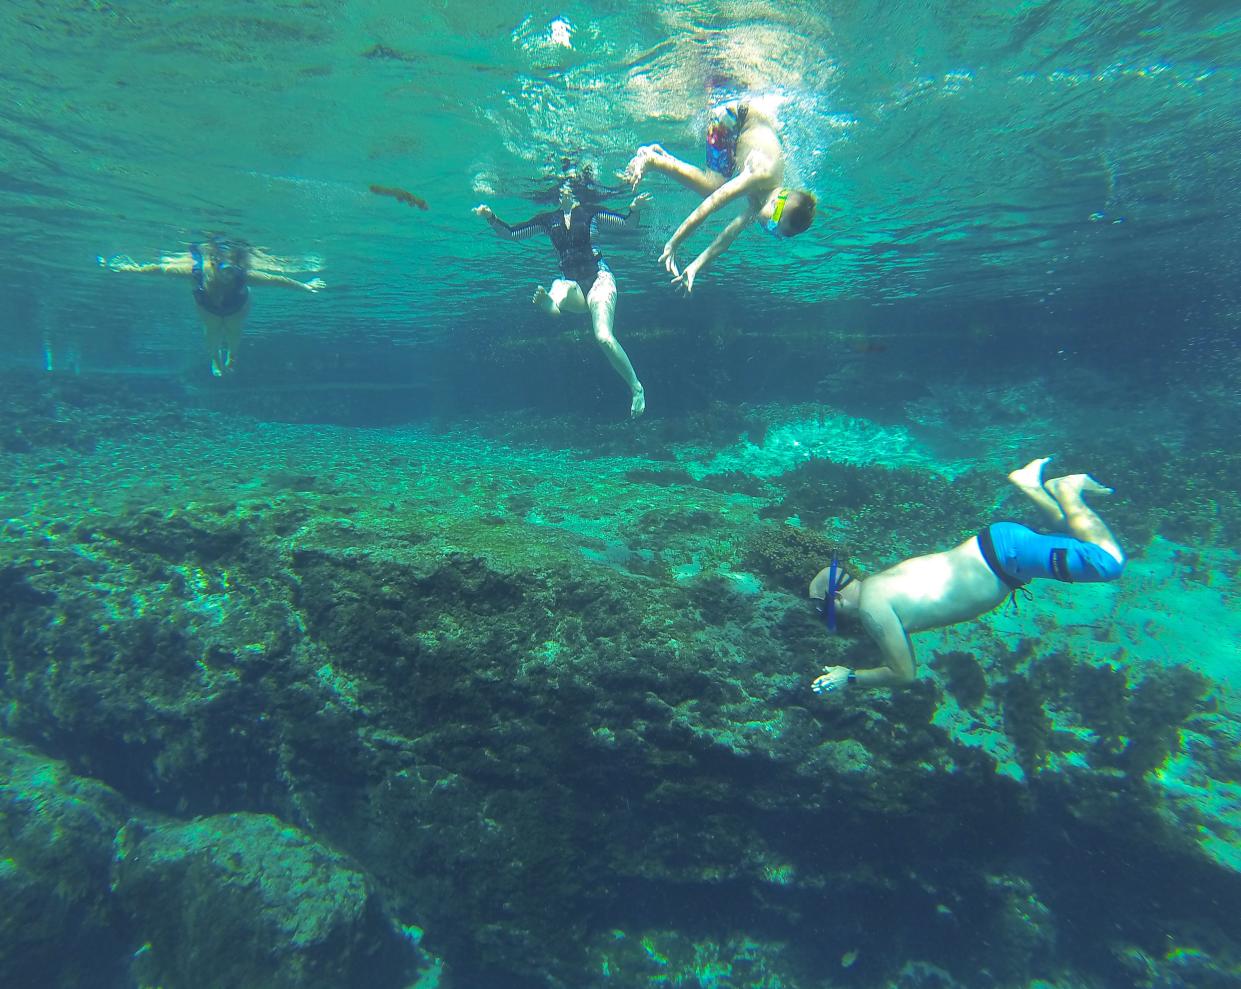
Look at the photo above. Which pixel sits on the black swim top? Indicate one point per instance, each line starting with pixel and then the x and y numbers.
pixel 579 261
pixel 234 299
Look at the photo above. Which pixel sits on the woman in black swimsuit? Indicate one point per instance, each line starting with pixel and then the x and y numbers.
pixel 587 285
pixel 221 277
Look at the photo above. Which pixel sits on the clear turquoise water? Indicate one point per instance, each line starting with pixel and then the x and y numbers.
pixel 1026 245
pixel 1030 153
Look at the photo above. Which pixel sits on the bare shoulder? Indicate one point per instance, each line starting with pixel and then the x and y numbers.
pixel 876 610
pixel 759 112
pixel 876 594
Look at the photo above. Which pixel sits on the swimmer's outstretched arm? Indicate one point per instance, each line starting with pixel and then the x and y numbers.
pixel 284 281
pixel 521 231
pixel 156 267
pixel 606 219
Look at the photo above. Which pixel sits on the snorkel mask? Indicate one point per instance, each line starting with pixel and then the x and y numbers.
pixel 772 226
pixel 218 254
pixel 837 581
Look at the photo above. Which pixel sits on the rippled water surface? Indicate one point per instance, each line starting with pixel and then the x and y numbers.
pixel 963 153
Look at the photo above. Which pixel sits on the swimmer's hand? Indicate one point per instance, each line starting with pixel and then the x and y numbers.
pixel 833 678
pixel 639 201
pixel 314 285
pixel 685 280
pixel 485 211
pixel 640 162
pixel 668 258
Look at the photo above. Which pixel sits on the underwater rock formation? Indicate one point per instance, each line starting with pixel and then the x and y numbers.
pixel 59 926
pixel 561 723
pixel 95 896
pixel 243 900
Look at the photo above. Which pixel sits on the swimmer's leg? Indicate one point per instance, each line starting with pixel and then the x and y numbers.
pixel 232 336
pixel 652 157
pixel 1079 518
pixel 602 302
pixel 1029 481
pixel 222 335
pixel 215 338
pixel 564 295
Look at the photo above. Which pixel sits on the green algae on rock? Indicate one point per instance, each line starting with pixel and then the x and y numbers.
pixel 445 664
pixel 247 902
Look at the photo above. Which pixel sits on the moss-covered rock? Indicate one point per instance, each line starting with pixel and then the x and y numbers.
pixel 788 556
pixel 59 927
pixel 537 702
pixel 966 680
pixel 246 902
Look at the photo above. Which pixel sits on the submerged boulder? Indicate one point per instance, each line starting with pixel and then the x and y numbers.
pixel 57 927
pixel 242 900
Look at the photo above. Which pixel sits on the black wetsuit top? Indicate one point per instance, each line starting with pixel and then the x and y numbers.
pixel 579 261
pixel 234 299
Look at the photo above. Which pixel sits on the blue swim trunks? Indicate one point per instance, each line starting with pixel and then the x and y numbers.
pixel 723 128
pixel 1017 555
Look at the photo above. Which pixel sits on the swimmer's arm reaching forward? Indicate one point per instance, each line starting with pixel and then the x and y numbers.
pixel 885 628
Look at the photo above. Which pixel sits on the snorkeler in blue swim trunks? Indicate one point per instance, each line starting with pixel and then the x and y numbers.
pixel 745 161
pixel 968 581
pixel 220 274
pixel 588 284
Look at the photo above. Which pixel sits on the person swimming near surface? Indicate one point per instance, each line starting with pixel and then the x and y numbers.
pixel 970 580
pixel 220 273
pixel 739 131
pixel 588 284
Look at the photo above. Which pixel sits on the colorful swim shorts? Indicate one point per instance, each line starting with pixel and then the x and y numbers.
pixel 723 128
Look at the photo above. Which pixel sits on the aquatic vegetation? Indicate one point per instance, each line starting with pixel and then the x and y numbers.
pixel 400 195
pixel 967 681
pixel 787 555
pixel 458 671
pixel 868 505
pixel 403 659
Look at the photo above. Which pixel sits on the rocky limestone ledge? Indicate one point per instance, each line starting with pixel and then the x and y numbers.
pixel 97 896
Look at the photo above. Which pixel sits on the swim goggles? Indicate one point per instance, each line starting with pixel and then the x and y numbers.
pixel 772 226
pixel 837 580
pixel 217 256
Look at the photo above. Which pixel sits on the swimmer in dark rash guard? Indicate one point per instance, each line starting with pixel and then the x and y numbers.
pixel 968 581
pixel 221 273
pixel 588 284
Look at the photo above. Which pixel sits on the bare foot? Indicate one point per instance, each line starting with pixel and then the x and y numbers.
pixel 1031 475
pixel 545 301
pixel 639 163
pixel 638 405
pixel 1075 485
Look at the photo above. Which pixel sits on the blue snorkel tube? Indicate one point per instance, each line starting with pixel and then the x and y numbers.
pixel 828 611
